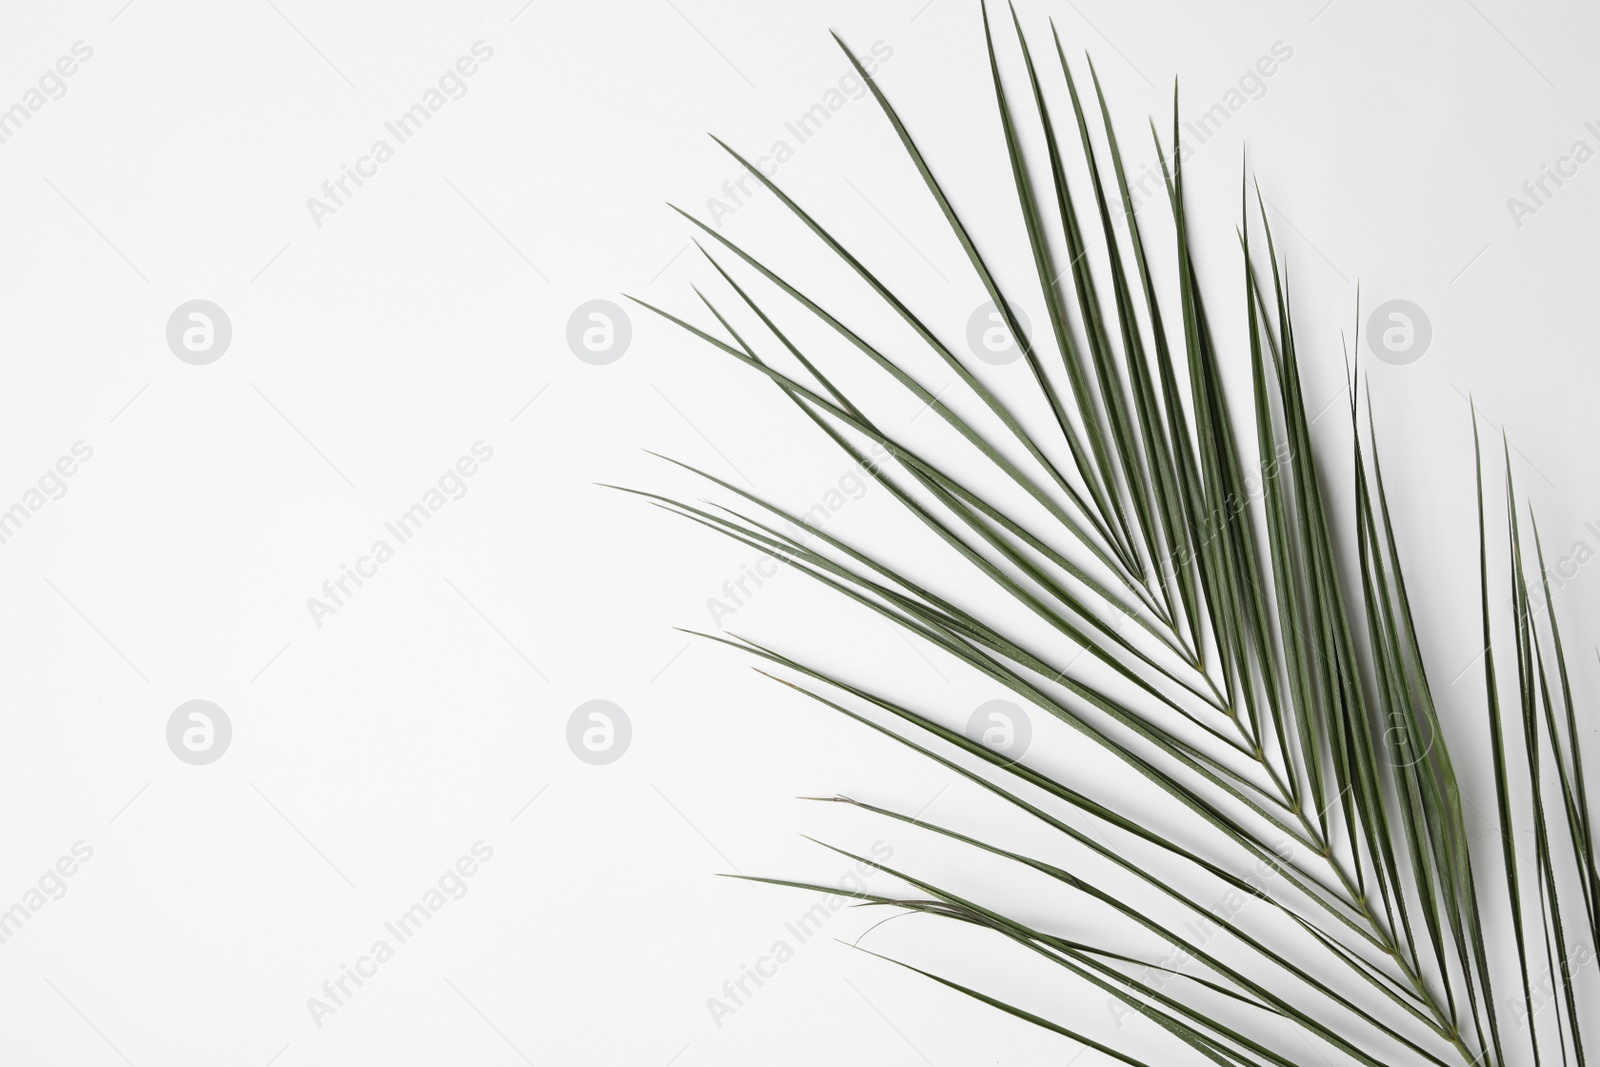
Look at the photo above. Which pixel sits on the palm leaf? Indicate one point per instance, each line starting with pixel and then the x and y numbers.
pixel 1271 695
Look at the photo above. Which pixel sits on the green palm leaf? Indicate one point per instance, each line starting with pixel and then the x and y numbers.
pixel 1270 694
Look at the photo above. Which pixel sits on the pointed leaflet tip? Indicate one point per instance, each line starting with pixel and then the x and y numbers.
pixel 1016 24
pixel 649 307
pixel 851 56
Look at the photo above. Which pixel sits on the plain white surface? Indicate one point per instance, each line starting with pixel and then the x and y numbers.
pixel 372 351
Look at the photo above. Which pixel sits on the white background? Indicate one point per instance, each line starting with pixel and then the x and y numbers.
pixel 372 351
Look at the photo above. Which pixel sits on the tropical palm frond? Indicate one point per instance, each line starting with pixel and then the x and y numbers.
pixel 1264 689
